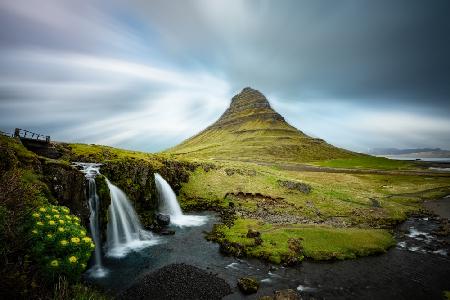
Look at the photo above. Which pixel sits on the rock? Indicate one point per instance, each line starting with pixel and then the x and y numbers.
pixel 253 233
pixel 163 219
pixel 266 298
pixel 232 248
pixel 293 185
pixel 166 231
pixel 258 241
pixel 287 294
pixel 248 285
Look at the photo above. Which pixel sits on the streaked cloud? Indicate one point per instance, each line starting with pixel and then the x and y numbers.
pixel 146 75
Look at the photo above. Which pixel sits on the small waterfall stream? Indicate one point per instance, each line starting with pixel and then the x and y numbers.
pixel 124 232
pixel 169 205
pixel 91 170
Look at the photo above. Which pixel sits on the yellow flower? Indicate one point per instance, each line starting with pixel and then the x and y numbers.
pixel 75 240
pixel 87 240
pixel 56 216
pixel 60 229
pixel 73 259
pixel 51 222
pixel 63 243
pixel 54 263
pixel 42 209
pixel 68 217
pixel 65 209
pixel 39 223
pixel 92 245
pixel 83 233
pixel 61 221
pixel 75 218
pixel 83 266
pixel 49 235
pixel 54 210
pixel 36 215
pixel 48 216
pixel 34 231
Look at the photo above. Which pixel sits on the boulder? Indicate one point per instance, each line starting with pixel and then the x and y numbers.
pixel 166 231
pixel 287 294
pixel 248 285
pixel 253 233
pixel 162 219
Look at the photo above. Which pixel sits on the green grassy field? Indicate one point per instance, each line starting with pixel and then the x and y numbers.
pixel 343 216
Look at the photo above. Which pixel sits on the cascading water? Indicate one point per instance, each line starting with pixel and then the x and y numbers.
pixel 91 170
pixel 124 232
pixel 169 205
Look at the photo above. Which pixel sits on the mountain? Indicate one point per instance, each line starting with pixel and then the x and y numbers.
pixel 420 152
pixel 251 130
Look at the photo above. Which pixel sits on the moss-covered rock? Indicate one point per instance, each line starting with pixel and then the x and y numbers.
pixel 248 285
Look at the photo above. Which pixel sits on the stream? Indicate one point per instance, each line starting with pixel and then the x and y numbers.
pixel 417 268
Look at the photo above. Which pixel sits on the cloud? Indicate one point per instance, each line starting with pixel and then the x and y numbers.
pixel 146 75
pixel 110 109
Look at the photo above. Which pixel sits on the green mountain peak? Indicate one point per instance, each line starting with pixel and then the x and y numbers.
pixel 251 130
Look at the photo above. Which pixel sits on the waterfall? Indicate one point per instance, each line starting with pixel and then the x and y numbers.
pixel 169 205
pixel 124 232
pixel 91 170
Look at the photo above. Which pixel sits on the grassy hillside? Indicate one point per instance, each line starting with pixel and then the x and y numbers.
pixel 250 130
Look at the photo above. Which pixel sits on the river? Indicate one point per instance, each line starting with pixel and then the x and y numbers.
pixel 417 268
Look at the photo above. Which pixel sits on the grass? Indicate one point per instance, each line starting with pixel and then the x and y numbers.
pixel 446 295
pixel 334 196
pixel 367 162
pixel 317 242
pixel 101 153
pixel 344 214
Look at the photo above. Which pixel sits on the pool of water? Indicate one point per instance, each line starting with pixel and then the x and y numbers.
pixel 404 272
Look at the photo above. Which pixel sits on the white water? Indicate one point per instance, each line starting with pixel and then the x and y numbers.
pixel 169 205
pixel 91 170
pixel 125 232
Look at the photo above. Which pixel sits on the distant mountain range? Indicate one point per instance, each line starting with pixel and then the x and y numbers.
pixel 416 152
pixel 251 130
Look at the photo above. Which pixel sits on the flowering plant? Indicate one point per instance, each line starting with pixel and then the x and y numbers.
pixel 59 242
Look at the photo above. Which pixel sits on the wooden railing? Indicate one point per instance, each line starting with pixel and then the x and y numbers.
pixel 26 134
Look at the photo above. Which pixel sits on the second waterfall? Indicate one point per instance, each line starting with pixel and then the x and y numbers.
pixel 125 232
pixel 169 205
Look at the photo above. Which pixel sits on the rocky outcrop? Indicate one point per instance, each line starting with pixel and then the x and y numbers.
pixel 136 179
pixel 68 187
pixel 246 106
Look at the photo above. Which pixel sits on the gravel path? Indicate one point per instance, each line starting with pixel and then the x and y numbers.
pixel 178 281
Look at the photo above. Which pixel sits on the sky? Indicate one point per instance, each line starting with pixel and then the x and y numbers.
pixel 146 75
